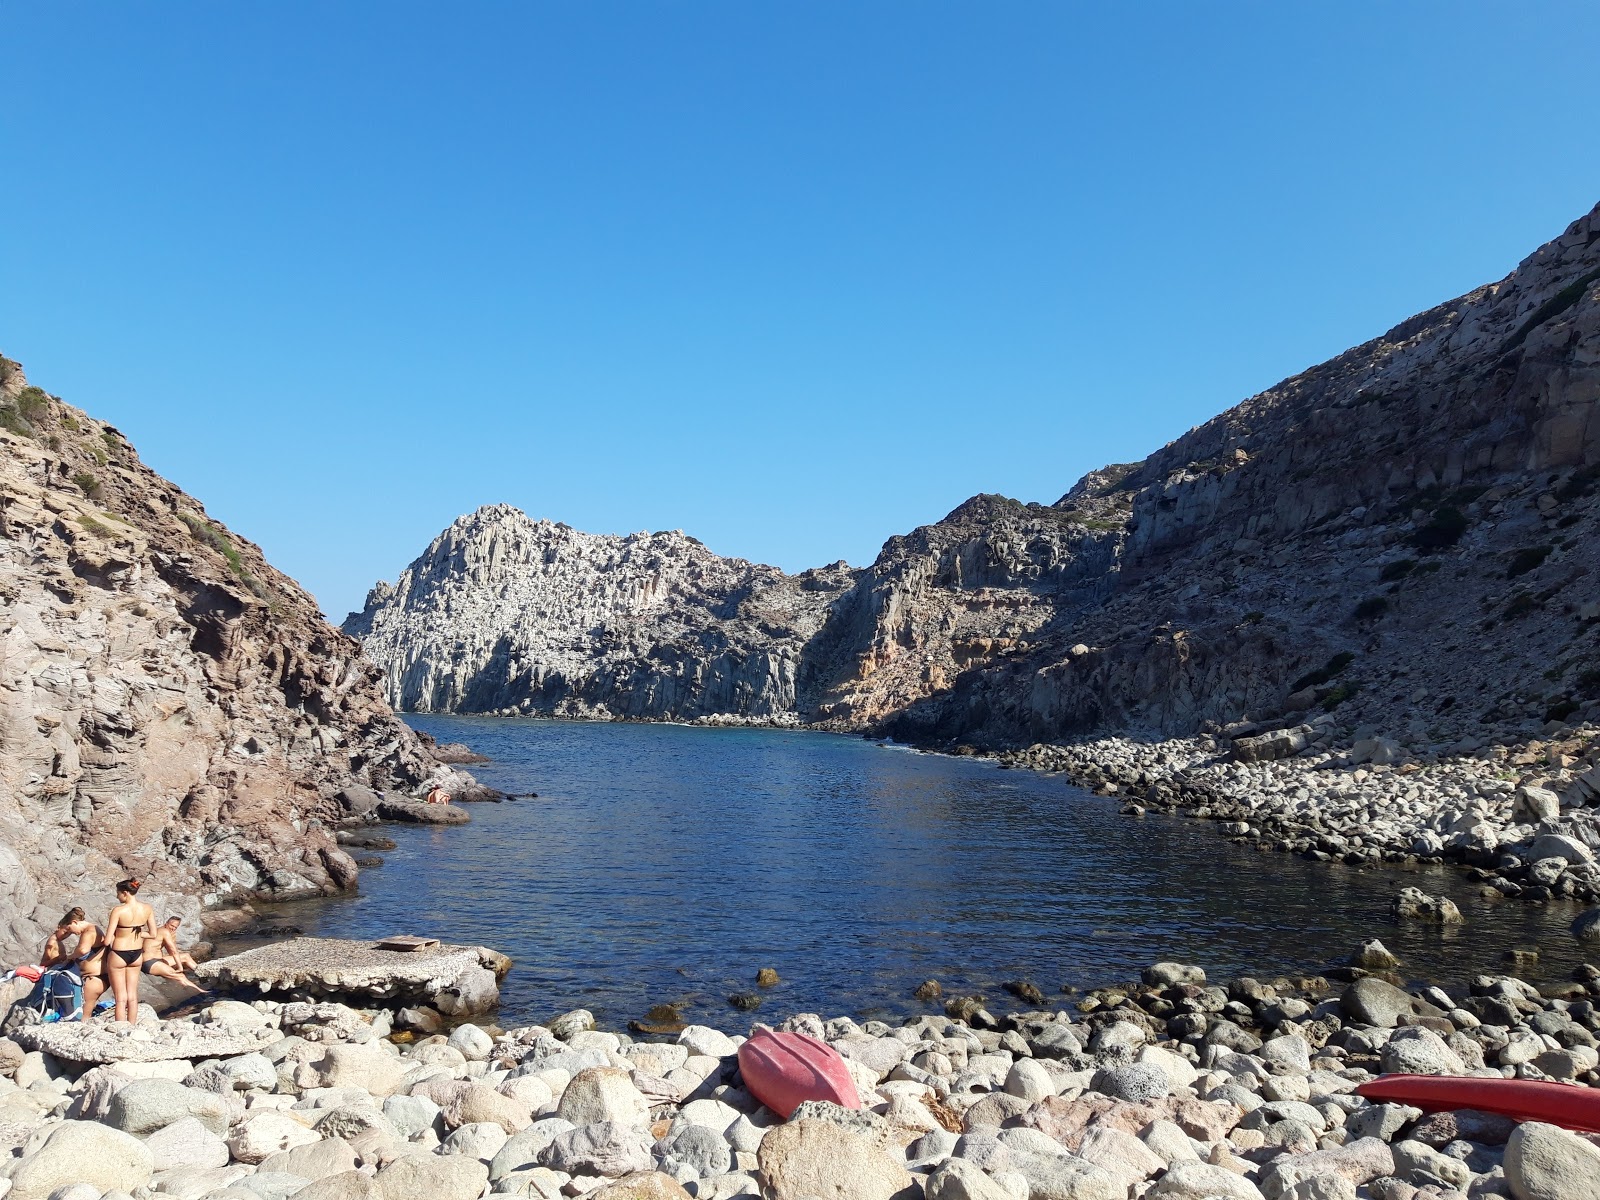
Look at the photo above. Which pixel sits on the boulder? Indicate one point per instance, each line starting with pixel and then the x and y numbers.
pixel 265 1133
pixel 1545 1162
pixel 608 1148
pixel 643 1185
pixel 1558 845
pixel 1535 804
pixel 1371 1001
pixel 695 1149
pixel 79 1152
pixel 437 1177
pixel 475 1045
pixel 569 1024
pixel 369 1066
pixel 522 1150
pixel 146 1105
pixel 1416 905
pixel 186 1143
pixel 1166 974
pixel 1586 927
pixel 814 1158
pixel 1416 1050
pixel 326 1156
pixel 602 1094
pixel 958 1179
pixel 1202 1181
pixel 345 1185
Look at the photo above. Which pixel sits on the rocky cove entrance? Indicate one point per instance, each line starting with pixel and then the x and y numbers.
pixel 668 864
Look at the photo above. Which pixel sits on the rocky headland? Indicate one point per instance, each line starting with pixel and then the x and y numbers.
pixel 1171 1086
pixel 173 707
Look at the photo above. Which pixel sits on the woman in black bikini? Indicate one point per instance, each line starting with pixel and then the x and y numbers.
pixel 87 957
pixel 126 928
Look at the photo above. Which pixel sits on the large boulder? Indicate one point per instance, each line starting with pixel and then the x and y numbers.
pixel 609 1148
pixel 602 1094
pixel 1545 1162
pixel 186 1143
pixel 1371 1001
pixel 79 1152
pixel 1559 845
pixel 815 1158
pixel 1586 927
pixel 265 1133
pixel 369 1066
pixel 437 1177
pixel 642 1185
pixel 146 1105
pixel 1202 1181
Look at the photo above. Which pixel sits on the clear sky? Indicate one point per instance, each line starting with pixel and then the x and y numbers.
pixel 790 277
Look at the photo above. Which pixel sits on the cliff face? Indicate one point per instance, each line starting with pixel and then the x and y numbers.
pixel 170 706
pixel 1403 535
pixel 504 612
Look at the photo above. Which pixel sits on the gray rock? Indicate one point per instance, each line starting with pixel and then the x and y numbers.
pixel 1545 1162
pixel 186 1143
pixel 1586 927
pixel 1416 1050
pixel 272 1185
pixel 1201 1181
pixel 609 1148
pixel 1559 845
pixel 346 1185
pixel 480 1139
pixel 146 1105
pixel 1535 804
pixel 1139 1083
pixel 1417 905
pixel 475 1045
pixel 958 1179
pixel 1165 974
pixel 693 1148
pixel 78 1152
pixel 1381 1121
pixel 522 1150
pixel 410 1115
pixel 327 1157
pixel 1371 1001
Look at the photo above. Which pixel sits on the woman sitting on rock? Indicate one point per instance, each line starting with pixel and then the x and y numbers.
pixel 164 960
pixel 130 921
pixel 438 795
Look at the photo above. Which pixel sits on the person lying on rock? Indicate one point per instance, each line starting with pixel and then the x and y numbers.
pixel 164 960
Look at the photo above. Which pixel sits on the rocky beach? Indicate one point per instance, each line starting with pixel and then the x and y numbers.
pixel 1168 1086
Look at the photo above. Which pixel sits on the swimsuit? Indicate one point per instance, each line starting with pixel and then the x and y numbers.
pixel 129 957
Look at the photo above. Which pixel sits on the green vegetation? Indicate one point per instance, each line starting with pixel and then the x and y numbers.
pixel 212 535
pixel 1371 608
pixel 70 423
pixel 1398 570
pixel 99 528
pixel 1444 531
pixel 32 403
pixel 1099 525
pixel 1550 309
pixel 1324 673
pixel 1254 618
pixel 1338 696
pixel 87 483
pixel 1527 559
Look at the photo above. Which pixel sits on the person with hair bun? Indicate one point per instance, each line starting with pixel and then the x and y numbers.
pixel 131 921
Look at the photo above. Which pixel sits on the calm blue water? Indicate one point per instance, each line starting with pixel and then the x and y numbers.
pixel 663 863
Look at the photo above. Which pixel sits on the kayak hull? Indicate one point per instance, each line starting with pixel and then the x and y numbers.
pixel 1571 1106
pixel 783 1070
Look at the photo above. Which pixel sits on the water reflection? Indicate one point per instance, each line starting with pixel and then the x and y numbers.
pixel 669 863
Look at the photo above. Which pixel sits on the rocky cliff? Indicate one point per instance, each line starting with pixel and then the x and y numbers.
pixel 504 612
pixel 1402 537
pixel 171 706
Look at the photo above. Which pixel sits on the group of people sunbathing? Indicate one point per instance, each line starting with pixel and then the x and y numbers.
pixel 131 944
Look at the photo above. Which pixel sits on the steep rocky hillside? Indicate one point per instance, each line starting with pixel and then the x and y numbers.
pixel 504 612
pixel 1400 540
pixel 1404 536
pixel 170 706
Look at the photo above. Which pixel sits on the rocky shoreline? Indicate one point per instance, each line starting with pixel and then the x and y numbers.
pixel 1170 1086
pixel 1373 803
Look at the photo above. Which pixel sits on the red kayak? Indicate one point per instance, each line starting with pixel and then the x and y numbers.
pixel 783 1070
pixel 1569 1105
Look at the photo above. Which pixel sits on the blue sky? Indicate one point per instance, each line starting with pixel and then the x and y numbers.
pixel 793 278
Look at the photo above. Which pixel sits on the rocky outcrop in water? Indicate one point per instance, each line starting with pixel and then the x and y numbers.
pixel 171 706
pixel 1403 537
pixel 504 612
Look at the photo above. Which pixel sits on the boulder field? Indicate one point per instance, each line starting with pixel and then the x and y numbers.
pixel 1171 1086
